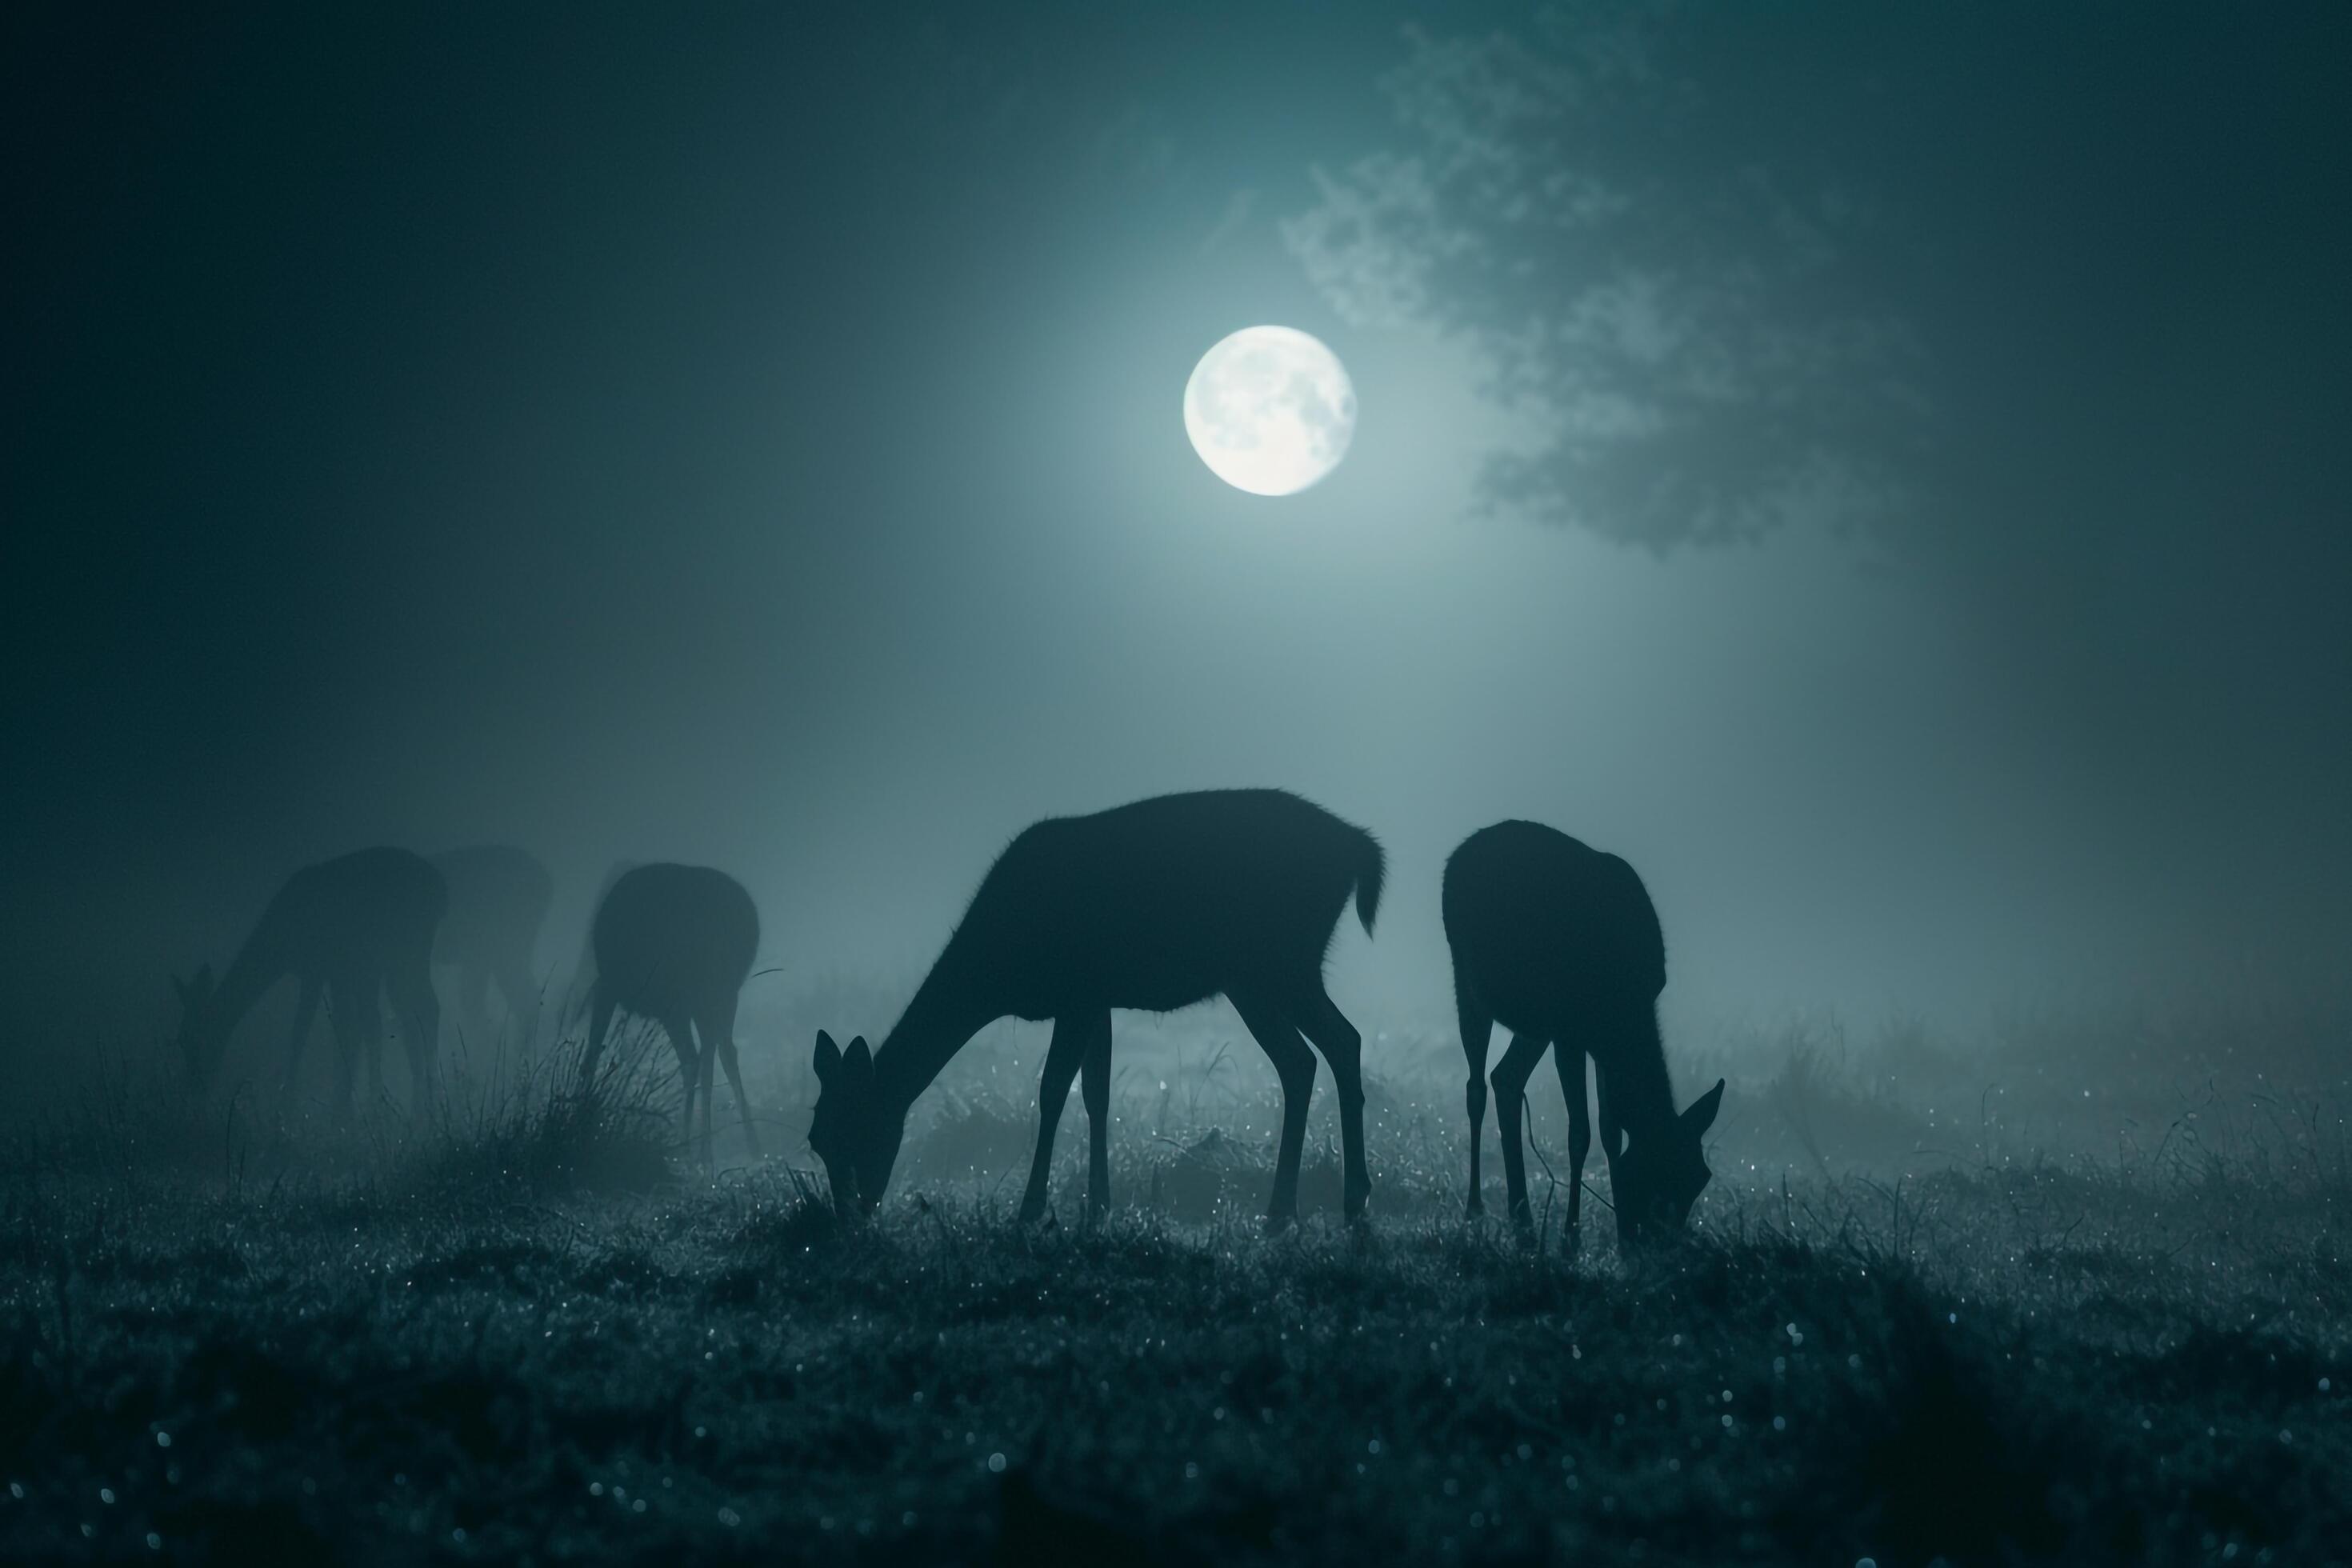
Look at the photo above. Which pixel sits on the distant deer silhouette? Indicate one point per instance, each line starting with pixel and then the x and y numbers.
pixel 360 926
pixel 1155 906
pixel 579 987
pixel 1560 942
pixel 674 943
pixel 498 900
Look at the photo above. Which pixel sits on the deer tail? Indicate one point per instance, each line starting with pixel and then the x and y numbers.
pixel 1372 866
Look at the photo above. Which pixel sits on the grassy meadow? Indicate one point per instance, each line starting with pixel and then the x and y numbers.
pixel 1940 1302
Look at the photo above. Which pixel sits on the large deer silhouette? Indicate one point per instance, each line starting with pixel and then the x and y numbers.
pixel 674 943
pixel 1560 943
pixel 1155 906
pixel 498 900
pixel 359 926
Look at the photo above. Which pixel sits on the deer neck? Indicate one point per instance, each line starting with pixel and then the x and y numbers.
pixel 1640 1093
pixel 949 1008
pixel 255 969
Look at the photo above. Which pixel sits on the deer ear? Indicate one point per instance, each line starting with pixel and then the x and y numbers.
pixel 1701 1114
pixel 828 1055
pixel 859 1059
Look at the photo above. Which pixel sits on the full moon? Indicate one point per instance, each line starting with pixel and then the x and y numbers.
pixel 1270 410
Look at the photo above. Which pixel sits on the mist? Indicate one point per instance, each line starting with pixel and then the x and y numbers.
pixel 757 446
pixel 1881 474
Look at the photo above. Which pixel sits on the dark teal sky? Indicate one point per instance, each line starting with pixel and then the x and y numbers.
pixel 751 435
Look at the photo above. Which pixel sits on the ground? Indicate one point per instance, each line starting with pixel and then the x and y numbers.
pixel 535 1336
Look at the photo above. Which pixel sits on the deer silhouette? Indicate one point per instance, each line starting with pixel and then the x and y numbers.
pixel 1560 943
pixel 498 899
pixel 674 943
pixel 360 927
pixel 1155 905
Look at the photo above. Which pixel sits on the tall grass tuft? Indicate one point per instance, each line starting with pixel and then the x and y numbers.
pixel 553 1132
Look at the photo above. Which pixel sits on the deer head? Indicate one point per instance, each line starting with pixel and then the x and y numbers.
pixel 851 1133
pixel 1662 1172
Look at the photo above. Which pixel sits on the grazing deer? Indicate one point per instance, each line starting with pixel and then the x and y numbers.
pixel 674 943
pixel 1560 943
pixel 1155 905
pixel 360 926
pixel 498 900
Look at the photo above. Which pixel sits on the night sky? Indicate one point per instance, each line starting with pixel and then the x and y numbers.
pixel 1886 474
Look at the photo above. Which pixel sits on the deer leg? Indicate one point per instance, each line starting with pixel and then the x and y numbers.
pixel 1294 1064
pixel 600 1019
pixel 1570 1060
pixel 1477 1033
pixel 368 1017
pixel 718 1040
pixel 1343 1047
pixel 1612 1135
pixel 420 1027
pixel 1062 1060
pixel 1095 1089
pixel 680 1031
pixel 345 1010
pixel 711 1097
pixel 1511 1076
pixel 305 1010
